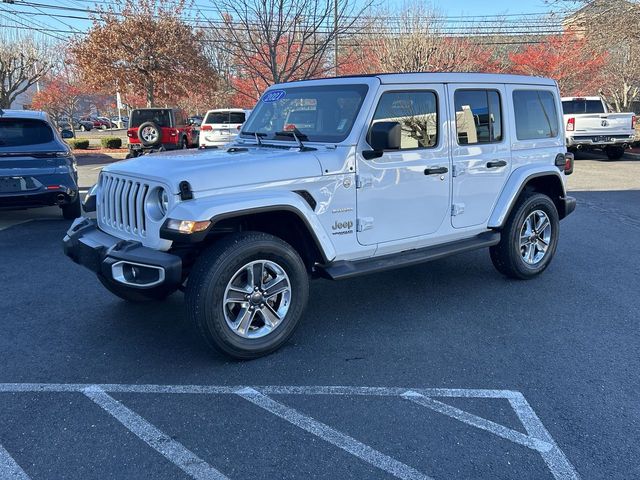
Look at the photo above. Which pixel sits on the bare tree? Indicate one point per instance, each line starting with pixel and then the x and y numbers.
pixel 23 62
pixel 273 41
pixel 417 41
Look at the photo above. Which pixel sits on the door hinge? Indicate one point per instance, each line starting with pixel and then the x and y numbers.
pixel 457 209
pixel 363 181
pixel 365 223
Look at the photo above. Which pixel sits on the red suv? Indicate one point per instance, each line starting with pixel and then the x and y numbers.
pixel 158 129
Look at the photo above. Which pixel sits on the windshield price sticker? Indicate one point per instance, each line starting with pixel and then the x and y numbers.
pixel 273 96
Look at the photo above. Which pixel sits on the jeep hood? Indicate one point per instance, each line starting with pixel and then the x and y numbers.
pixel 214 169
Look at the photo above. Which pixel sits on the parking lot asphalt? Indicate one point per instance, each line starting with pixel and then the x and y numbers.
pixel 475 376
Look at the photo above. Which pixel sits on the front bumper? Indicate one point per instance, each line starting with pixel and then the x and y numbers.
pixel 117 260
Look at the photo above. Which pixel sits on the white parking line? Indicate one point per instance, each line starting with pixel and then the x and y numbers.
pixel 339 439
pixel 9 469
pixel 556 461
pixel 538 437
pixel 478 422
pixel 173 451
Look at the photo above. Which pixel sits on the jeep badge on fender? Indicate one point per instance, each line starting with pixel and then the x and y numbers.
pixel 331 178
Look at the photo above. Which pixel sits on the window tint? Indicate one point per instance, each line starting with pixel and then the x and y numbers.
pixel 323 113
pixel 161 117
pixel 536 114
pixel 225 117
pixel 478 116
pixel 16 132
pixel 578 106
pixel 416 112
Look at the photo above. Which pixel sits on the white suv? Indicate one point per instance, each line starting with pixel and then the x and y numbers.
pixel 221 126
pixel 333 178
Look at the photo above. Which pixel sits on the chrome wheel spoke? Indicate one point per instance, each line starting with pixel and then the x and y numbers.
pixel 276 286
pixel 244 321
pixel 535 237
pixel 257 299
pixel 271 318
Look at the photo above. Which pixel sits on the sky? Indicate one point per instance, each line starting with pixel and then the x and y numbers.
pixel 25 17
pixel 492 7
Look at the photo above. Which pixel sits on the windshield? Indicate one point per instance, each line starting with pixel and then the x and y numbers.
pixel 570 107
pixel 225 117
pixel 16 132
pixel 317 114
pixel 161 117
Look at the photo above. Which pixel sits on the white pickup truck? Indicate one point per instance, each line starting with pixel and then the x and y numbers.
pixel 589 124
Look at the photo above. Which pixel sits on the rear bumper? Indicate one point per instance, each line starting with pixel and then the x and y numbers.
pixel 111 257
pixel 569 205
pixel 599 140
pixel 38 198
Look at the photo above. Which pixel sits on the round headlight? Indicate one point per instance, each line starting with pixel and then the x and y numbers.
pixel 163 201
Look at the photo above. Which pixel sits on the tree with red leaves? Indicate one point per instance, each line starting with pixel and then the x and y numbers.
pixel 59 98
pixel 569 60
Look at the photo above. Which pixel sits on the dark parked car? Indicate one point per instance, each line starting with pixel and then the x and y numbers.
pixel 82 125
pixel 37 167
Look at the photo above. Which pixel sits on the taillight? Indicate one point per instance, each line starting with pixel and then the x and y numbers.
pixel 206 128
pixel 173 133
pixel 568 163
pixel 633 122
pixel 571 124
pixel 132 134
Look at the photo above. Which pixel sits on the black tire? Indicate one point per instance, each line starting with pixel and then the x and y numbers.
pixel 183 144
pixel 158 135
pixel 133 295
pixel 614 153
pixel 213 271
pixel 507 255
pixel 72 210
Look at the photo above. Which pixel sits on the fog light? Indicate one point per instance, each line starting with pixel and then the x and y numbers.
pixel 137 274
pixel 188 226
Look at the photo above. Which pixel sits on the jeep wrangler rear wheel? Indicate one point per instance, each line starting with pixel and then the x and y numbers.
pixel 246 294
pixel 529 238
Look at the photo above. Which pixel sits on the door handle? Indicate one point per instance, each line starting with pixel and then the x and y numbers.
pixel 435 171
pixel 496 164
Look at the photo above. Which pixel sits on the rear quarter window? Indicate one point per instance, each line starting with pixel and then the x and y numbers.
pixel 536 114
pixel 161 117
pixel 18 132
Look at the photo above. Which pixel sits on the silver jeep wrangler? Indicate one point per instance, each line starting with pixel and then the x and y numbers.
pixel 333 178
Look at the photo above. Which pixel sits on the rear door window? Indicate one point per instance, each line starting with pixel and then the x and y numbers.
pixel 478 116
pixel 161 117
pixel 18 132
pixel 536 114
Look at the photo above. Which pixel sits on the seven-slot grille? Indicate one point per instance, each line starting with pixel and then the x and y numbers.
pixel 121 204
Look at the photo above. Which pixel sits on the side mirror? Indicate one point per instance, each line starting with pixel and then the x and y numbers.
pixel 383 136
pixel 66 134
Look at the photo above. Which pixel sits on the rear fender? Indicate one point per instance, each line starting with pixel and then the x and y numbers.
pixel 515 186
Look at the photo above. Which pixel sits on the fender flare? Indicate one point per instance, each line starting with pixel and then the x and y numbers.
pixel 514 187
pixel 221 207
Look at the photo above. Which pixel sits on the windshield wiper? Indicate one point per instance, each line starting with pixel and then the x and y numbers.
pixel 297 135
pixel 256 135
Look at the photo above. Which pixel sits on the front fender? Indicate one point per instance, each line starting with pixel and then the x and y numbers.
pixel 515 185
pixel 220 207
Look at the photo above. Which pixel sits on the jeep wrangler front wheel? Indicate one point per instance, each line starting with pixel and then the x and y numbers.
pixel 246 294
pixel 529 238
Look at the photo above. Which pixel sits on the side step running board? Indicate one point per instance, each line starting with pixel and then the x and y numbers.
pixel 346 269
